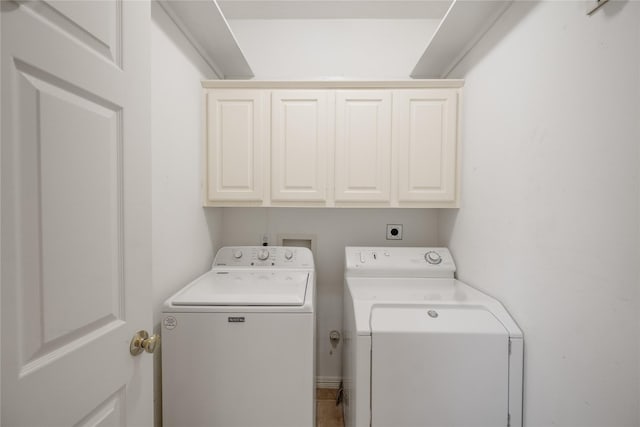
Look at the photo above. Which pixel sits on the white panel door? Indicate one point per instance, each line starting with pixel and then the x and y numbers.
pixel 298 145
pixel 75 199
pixel 363 146
pixel 235 144
pixel 425 130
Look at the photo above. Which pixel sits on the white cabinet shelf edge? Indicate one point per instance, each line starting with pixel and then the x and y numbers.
pixel 463 25
pixel 209 32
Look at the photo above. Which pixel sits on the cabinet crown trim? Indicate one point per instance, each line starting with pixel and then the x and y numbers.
pixel 334 84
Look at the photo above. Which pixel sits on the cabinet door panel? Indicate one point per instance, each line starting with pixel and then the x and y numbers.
pixel 363 143
pixel 426 132
pixel 299 145
pixel 235 139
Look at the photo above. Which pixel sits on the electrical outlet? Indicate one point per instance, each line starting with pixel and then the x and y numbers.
pixel 394 231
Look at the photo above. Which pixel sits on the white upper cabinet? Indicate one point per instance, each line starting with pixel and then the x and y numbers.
pixel 425 129
pixel 299 145
pixel 363 146
pixel 333 144
pixel 235 145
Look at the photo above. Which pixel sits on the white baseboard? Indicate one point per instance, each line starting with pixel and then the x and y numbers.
pixel 328 382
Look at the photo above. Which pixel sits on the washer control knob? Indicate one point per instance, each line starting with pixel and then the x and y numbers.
pixel 288 254
pixel 263 254
pixel 237 254
pixel 433 257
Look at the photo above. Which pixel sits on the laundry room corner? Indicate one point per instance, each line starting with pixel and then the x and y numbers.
pixel 184 235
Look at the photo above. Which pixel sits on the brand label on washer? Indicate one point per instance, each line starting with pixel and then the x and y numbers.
pixel 236 319
pixel 170 322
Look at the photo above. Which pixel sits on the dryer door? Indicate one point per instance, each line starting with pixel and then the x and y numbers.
pixel 438 366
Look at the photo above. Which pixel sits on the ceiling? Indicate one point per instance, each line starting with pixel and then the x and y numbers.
pixel 331 9
pixel 460 23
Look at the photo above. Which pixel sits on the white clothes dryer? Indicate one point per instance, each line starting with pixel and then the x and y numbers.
pixel 424 349
pixel 238 343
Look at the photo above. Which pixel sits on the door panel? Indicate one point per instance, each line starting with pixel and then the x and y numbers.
pixel 299 145
pixel 75 213
pixel 108 413
pixel 235 138
pixel 363 146
pixel 97 27
pixel 425 127
pixel 68 126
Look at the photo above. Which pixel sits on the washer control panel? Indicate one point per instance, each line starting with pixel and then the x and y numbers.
pixel 399 262
pixel 264 256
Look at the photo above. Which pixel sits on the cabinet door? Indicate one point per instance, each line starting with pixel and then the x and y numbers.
pixel 425 130
pixel 363 146
pixel 235 144
pixel 298 145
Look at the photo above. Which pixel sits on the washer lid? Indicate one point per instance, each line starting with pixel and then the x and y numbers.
pixel 270 288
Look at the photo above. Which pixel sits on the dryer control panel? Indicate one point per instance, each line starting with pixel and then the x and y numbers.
pixel 399 262
pixel 264 257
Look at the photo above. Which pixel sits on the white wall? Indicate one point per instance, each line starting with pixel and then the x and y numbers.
pixel 185 235
pixel 335 229
pixel 549 220
pixel 1 275
pixel 301 49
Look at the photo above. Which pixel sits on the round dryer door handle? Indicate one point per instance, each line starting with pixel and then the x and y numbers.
pixel 433 257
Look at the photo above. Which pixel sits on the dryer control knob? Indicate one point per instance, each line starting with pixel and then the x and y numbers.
pixel 433 257
pixel 237 254
pixel 288 254
pixel 263 254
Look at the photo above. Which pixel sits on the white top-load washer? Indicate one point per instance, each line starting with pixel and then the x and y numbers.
pixel 238 343
pixel 424 349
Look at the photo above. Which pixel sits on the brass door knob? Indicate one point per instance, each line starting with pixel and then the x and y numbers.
pixel 141 341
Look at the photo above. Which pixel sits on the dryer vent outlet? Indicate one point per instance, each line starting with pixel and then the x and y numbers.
pixel 394 231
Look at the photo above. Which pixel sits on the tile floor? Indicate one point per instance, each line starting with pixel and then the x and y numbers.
pixel 327 413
